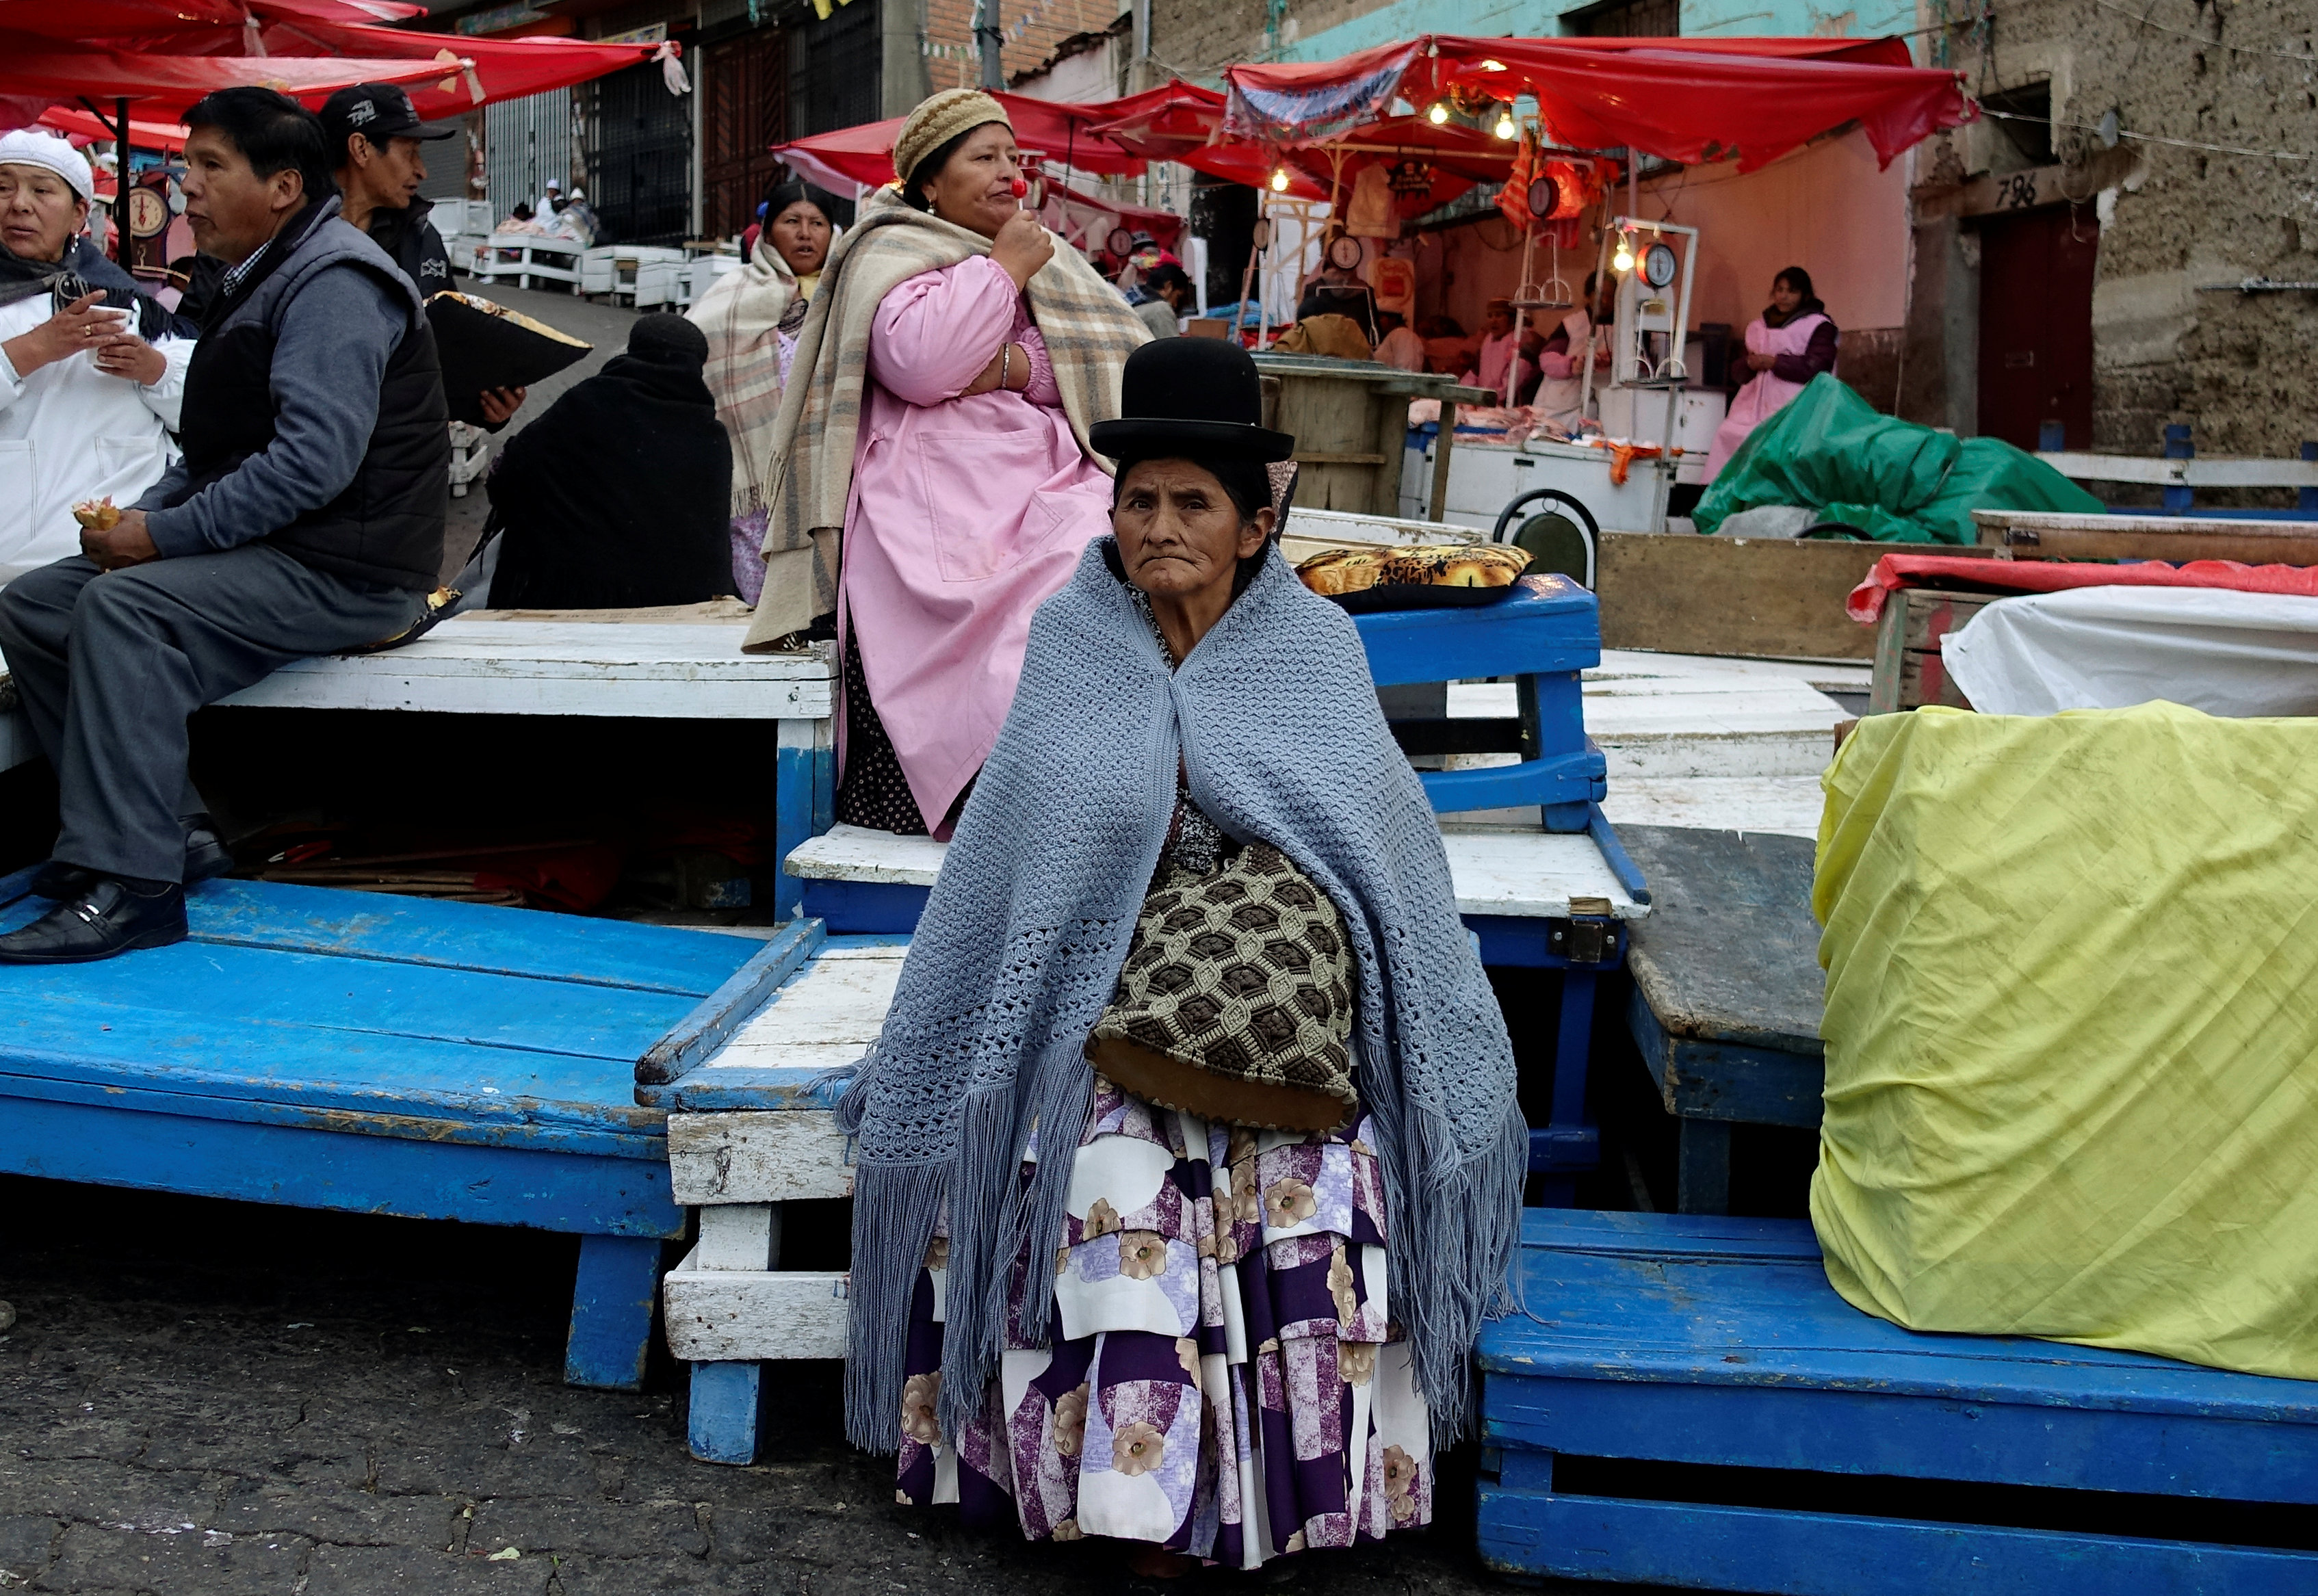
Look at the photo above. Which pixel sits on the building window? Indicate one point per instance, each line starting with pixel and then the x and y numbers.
pixel 2022 120
pixel 1624 19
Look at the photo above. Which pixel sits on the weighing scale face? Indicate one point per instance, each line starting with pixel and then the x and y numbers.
pixel 1658 264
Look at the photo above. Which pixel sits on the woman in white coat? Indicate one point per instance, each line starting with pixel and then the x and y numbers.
pixel 90 381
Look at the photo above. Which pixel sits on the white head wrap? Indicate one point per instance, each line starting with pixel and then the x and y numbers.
pixel 27 148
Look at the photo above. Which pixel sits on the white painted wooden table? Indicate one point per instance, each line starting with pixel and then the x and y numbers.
pixel 1493 869
pixel 619 669
pixel 750 1131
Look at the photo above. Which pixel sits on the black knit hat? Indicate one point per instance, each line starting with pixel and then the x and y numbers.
pixel 668 340
pixel 1196 399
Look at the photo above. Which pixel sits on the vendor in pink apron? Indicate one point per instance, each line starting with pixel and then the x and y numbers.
pixel 1787 346
pixel 1564 355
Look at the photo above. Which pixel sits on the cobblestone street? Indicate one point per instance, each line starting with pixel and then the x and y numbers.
pixel 204 1397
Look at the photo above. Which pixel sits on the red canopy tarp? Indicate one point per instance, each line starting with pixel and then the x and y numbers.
pixel 143 135
pixel 1683 100
pixel 167 55
pixel 168 84
pixel 1060 130
pixel 1085 219
pixel 1895 572
pixel 90 19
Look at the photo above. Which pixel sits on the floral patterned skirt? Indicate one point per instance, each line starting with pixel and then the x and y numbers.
pixel 1213 1369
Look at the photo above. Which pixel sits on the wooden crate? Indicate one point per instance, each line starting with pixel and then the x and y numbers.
pixel 2049 534
pixel 1654 1338
pixel 1774 598
pixel 1910 669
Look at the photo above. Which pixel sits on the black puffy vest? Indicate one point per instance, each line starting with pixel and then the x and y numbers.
pixel 386 527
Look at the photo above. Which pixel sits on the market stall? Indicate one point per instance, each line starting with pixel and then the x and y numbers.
pixel 1397 133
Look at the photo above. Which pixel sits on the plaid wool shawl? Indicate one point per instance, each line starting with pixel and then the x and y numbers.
pixel 1089 331
pixel 741 314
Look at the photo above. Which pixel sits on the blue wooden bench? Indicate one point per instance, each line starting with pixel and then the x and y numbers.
pixel 381 1055
pixel 1692 1341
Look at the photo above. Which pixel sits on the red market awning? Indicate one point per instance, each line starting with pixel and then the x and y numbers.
pixel 1182 122
pixel 1084 220
pixel 1683 100
pixel 166 56
pixel 112 21
pixel 1060 131
pixel 166 84
pixel 142 135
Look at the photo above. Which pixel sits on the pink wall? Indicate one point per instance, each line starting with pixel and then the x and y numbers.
pixel 1824 207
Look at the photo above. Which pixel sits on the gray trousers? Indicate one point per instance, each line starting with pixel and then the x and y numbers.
pixel 108 665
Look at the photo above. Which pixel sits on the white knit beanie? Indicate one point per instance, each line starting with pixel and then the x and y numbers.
pixel 29 148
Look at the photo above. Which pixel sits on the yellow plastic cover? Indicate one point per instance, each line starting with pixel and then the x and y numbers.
pixel 2073 1029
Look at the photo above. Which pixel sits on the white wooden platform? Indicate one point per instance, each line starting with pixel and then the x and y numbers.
pixel 1493 869
pixel 729 1301
pixel 619 669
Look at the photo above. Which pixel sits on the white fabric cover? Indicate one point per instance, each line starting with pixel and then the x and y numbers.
pixel 2212 649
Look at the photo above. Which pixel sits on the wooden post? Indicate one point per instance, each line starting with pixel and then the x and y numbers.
pixel 120 186
pixel 1440 505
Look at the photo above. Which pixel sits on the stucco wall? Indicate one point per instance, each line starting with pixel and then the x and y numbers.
pixel 2242 370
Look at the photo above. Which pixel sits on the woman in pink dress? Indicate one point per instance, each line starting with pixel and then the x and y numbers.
pixel 1791 342
pixel 971 488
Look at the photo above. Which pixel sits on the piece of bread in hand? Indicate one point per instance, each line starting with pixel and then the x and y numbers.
pixel 100 515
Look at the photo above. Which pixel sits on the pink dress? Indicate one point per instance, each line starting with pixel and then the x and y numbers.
pixel 1767 394
pixel 966 513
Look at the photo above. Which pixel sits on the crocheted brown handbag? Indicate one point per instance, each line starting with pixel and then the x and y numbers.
pixel 1235 1002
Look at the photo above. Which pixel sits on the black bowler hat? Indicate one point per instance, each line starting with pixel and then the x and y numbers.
pixel 1194 398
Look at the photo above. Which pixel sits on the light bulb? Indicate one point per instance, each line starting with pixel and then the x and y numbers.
pixel 1623 261
pixel 1438 113
pixel 1279 180
pixel 1506 127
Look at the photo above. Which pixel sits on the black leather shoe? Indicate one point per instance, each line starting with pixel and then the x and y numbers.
pixel 206 856
pixel 206 859
pixel 105 920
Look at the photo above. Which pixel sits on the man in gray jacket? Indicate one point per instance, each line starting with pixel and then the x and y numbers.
pixel 305 517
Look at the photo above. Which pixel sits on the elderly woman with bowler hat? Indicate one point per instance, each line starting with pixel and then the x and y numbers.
pixel 1188 1158
pixel 937 412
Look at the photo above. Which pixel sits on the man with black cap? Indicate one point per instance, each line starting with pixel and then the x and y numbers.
pixel 375 136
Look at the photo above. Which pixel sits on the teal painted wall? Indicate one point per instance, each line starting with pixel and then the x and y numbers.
pixel 1727 19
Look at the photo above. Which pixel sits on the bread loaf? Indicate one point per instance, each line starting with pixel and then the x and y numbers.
pixel 1455 565
pixel 1332 573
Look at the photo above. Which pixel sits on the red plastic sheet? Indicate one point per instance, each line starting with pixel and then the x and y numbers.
pixel 1895 572
pixel 1057 131
pixel 166 54
pixel 1682 99
pixel 164 85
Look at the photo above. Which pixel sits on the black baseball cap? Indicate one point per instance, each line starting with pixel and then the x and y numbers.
pixel 378 111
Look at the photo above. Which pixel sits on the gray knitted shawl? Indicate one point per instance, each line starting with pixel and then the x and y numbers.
pixel 1019 949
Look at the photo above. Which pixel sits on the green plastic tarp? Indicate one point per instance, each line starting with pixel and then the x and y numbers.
pixel 1833 452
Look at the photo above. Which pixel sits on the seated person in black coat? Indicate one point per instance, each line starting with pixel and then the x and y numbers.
pixel 619 497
